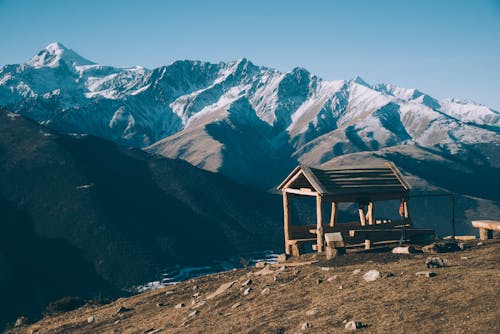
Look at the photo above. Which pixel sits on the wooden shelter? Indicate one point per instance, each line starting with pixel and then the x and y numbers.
pixel 362 185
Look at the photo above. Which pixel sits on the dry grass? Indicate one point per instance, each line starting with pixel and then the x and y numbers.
pixel 462 298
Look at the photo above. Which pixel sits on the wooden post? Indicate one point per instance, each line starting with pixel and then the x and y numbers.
pixel 319 223
pixel 369 215
pixel 362 217
pixel 406 213
pixel 485 234
pixel 368 244
pixel 286 220
pixel 333 217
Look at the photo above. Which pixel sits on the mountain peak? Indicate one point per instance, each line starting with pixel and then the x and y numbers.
pixel 53 53
pixel 359 80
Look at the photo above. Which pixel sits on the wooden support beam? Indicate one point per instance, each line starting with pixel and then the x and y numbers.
pixel 300 192
pixel 362 216
pixel 319 223
pixel 286 221
pixel 369 214
pixel 333 217
pixel 368 244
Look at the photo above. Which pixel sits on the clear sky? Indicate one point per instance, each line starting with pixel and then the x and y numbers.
pixel 445 48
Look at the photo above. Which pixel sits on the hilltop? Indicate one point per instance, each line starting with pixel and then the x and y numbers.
pixel 311 298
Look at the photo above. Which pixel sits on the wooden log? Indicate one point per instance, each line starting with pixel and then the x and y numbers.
pixel 362 217
pixel 403 250
pixel 370 214
pixel 319 223
pixel 286 222
pixel 333 217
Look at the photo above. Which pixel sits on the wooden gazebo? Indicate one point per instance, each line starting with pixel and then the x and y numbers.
pixel 361 185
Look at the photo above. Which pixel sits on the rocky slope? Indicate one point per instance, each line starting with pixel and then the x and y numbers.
pixel 314 298
pixel 80 214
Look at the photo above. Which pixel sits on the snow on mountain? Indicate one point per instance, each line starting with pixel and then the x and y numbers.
pixel 236 117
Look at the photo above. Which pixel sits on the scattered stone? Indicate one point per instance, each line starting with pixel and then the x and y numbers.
pixel 282 257
pixel 247 282
pixel 90 319
pixel 247 291
pixel 465 258
pixel 265 290
pixel 312 312
pixel 326 268
pixel 194 287
pixel 340 287
pixel 332 278
pixel 160 305
pixel 354 325
pixel 236 305
pixel 296 272
pixel 122 309
pixel 168 293
pixel 275 279
pixel 386 274
pixel 425 273
pixel 356 271
pixel 193 313
pixel 180 305
pixel 435 262
pixel 21 321
pixel 429 249
pixel 222 288
pixel 444 246
pixel 260 264
pixel 196 295
pixel 480 243
pixel 116 322
pixel 371 276
pixel 306 325
pixel 319 281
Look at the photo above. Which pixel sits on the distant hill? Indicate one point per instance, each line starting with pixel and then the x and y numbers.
pixel 80 214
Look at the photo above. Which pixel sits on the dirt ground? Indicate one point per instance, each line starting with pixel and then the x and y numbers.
pixel 461 298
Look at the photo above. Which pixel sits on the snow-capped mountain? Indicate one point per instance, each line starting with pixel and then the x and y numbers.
pixel 236 117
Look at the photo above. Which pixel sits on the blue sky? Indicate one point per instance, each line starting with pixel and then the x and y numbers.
pixel 445 48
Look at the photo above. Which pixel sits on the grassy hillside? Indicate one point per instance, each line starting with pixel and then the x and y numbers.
pixel 80 214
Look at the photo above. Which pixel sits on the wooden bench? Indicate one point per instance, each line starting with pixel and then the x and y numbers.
pixel 377 236
pixel 486 228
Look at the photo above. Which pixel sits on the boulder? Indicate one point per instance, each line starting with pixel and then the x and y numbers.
pixel 435 262
pixel 354 325
pixel 260 264
pixel 282 257
pixel 371 276
pixel 312 312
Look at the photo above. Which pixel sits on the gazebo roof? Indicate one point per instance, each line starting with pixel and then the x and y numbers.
pixel 348 184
